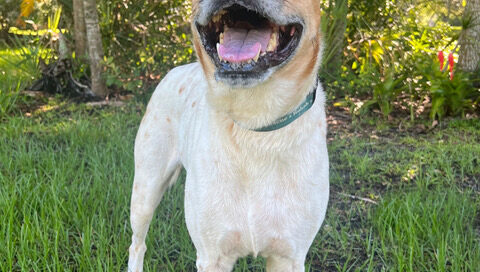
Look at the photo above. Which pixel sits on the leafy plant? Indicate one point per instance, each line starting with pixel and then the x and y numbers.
pixel 333 24
pixel 114 76
pixel 20 60
pixel 451 97
pixel 384 94
pixel 450 94
pixel 142 40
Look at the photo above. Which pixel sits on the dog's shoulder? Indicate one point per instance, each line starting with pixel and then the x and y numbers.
pixel 180 75
pixel 178 88
pixel 180 80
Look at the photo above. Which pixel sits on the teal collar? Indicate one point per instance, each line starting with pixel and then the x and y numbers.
pixel 292 116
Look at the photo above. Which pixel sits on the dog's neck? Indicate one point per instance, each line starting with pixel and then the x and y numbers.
pixel 288 118
pixel 260 106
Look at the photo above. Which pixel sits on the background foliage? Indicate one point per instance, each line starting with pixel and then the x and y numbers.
pixel 380 57
pixel 154 33
pixel 390 58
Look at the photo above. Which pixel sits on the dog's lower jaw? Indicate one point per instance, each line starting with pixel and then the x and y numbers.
pixel 240 81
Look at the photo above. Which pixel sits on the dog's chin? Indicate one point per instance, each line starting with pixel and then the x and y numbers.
pixel 243 80
pixel 247 46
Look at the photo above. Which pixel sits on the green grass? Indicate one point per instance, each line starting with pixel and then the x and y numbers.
pixel 65 184
pixel 428 231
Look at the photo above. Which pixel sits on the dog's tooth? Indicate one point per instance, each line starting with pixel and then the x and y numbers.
pixel 255 59
pixel 221 38
pixel 292 31
pixel 263 53
pixel 218 52
pixel 272 44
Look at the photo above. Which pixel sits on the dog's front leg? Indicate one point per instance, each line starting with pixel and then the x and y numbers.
pixel 282 264
pixel 156 167
pixel 216 264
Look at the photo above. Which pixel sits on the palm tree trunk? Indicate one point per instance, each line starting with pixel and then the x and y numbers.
pixel 469 60
pixel 79 28
pixel 95 48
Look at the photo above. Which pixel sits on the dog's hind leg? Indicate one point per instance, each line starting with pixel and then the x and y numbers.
pixel 156 167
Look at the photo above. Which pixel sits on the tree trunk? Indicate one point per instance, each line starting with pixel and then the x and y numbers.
pixel 79 28
pixel 469 60
pixel 95 48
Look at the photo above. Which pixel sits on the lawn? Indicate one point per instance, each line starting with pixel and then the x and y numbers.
pixel 400 200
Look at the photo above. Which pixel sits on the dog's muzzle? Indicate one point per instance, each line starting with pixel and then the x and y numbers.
pixel 247 38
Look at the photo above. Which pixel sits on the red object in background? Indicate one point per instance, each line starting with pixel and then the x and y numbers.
pixel 451 63
pixel 441 59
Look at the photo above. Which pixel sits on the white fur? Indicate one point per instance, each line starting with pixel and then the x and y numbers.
pixel 246 192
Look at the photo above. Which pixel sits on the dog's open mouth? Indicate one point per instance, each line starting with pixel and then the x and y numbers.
pixel 241 41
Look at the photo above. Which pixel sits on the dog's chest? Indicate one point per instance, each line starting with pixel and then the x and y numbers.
pixel 251 195
pixel 249 201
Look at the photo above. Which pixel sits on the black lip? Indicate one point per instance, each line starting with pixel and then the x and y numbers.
pixel 209 38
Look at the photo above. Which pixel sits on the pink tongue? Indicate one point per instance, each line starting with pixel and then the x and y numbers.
pixel 241 45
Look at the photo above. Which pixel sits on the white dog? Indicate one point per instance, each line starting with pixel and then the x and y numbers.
pixel 248 124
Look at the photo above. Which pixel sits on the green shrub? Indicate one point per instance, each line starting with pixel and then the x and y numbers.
pixel 384 93
pixel 391 55
pixel 450 97
pixel 144 39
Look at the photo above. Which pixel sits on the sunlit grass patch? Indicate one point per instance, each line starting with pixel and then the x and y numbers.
pixel 428 231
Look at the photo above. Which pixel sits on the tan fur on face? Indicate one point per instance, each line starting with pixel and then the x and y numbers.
pixel 284 89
